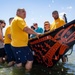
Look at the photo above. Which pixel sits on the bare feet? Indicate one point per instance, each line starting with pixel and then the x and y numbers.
pixel 10 64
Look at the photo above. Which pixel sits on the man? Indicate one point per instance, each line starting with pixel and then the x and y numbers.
pixel 32 27
pixel 7 41
pixel 58 22
pixel 36 29
pixel 2 51
pixel 19 36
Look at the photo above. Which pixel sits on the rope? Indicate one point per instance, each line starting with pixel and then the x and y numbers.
pixel 69 53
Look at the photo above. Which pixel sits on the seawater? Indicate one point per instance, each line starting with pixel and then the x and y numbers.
pixel 60 68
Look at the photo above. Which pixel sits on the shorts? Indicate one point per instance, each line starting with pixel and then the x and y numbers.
pixel 2 52
pixel 9 52
pixel 22 54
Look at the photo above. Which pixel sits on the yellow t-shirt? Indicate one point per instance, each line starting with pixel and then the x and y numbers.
pixel 56 24
pixel 7 40
pixel 19 37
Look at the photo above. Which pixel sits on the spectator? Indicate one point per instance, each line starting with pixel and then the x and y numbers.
pixel 37 29
pixel 46 26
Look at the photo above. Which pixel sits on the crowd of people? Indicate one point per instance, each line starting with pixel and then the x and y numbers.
pixel 14 46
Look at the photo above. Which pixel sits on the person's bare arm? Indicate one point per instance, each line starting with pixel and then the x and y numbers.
pixel 30 31
pixel 1 37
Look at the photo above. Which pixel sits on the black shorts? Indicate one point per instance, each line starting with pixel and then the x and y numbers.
pixel 2 52
pixel 9 52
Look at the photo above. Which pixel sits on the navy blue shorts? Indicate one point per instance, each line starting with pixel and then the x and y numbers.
pixel 2 52
pixel 9 52
pixel 22 54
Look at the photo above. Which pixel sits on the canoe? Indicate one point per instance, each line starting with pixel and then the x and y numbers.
pixel 50 47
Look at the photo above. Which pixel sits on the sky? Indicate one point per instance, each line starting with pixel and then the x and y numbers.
pixel 37 11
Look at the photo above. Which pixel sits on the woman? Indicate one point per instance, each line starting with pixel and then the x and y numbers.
pixel 46 26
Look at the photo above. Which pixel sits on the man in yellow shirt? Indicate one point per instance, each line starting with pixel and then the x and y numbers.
pixel 19 36
pixel 7 41
pixel 58 22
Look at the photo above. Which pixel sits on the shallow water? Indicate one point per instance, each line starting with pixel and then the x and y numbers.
pixel 67 68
